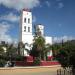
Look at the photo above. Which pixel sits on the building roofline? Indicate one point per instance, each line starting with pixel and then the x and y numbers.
pixel 26 10
pixel 39 24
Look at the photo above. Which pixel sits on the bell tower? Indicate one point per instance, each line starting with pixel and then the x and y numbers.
pixel 40 28
pixel 26 26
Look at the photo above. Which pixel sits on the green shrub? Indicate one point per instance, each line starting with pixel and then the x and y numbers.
pixel 2 63
pixel 19 58
pixel 36 61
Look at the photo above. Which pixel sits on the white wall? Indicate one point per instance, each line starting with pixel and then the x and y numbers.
pixel 27 39
pixel 48 40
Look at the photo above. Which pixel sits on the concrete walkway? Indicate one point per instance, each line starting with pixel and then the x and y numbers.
pixel 43 70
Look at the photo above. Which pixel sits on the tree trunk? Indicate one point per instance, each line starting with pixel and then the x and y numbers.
pixel 73 71
pixel 40 55
pixel 44 56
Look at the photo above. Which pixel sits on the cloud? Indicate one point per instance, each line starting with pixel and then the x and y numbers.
pixel 4 27
pixel 10 17
pixel 48 3
pixel 20 4
pixel 60 5
pixel 64 38
pixel 4 30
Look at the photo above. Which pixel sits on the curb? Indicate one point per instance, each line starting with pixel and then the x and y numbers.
pixel 29 67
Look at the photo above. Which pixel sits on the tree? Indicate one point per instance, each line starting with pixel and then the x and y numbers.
pixel 38 47
pixel 2 55
pixel 8 51
pixel 66 55
pixel 11 52
pixel 44 52
pixel 3 48
pixel 1 51
pixel 55 48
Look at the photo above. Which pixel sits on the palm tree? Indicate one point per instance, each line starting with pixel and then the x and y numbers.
pixel 55 48
pixel 47 49
pixel 38 46
pixel 11 52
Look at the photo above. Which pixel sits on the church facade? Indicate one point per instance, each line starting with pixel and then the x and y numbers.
pixel 26 35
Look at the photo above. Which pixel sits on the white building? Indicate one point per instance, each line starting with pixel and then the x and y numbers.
pixel 26 35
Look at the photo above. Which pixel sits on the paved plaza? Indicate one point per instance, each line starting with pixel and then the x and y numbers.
pixel 29 71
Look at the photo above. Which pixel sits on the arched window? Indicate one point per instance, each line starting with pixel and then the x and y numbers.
pixel 28 29
pixel 25 20
pixel 28 20
pixel 24 28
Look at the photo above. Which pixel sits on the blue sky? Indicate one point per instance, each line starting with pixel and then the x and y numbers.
pixel 58 17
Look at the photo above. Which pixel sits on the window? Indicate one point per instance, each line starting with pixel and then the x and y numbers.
pixel 25 20
pixel 28 20
pixel 24 28
pixel 28 29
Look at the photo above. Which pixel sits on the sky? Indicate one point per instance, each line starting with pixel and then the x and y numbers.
pixel 57 16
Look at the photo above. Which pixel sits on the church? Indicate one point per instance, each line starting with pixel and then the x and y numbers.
pixel 26 31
